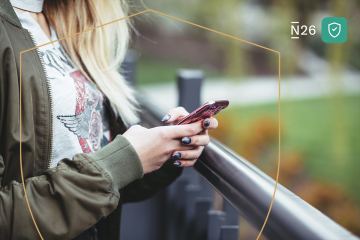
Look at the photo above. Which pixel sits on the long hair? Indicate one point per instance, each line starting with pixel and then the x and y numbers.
pixel 99 52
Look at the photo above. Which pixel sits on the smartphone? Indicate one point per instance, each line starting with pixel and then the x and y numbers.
pixel 207 110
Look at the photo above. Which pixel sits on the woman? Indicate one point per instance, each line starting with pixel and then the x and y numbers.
pixel 77 166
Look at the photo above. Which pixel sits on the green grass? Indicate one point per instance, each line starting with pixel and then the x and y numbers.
pixel 326 131
pixel 151 71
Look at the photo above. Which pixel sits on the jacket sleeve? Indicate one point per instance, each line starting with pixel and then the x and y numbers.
pixel 70 198
pixel 147 186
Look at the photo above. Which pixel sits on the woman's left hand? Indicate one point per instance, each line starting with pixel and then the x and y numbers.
pixel 187 158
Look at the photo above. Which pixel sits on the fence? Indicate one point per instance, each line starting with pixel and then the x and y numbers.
pixel 191 209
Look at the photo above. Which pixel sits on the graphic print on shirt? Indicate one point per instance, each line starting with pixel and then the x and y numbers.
pixel 87 122
pixel 55 61
pixel 52 60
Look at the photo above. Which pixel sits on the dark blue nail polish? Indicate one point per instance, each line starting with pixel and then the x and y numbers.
pixel 186 140
pixel 176 164
pixel 177 155
pixel 167 117
pixel 207 123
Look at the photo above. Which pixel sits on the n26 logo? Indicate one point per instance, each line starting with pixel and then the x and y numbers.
pixel 297 31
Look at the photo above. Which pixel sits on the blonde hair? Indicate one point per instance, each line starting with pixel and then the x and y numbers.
pixel 99 52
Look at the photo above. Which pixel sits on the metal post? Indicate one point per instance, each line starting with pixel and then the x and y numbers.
pixel 229 232
pixel 202 206
pixel 193 192
pixel 175 205
pixel 232 215
pixel 189 85
pixel 215 220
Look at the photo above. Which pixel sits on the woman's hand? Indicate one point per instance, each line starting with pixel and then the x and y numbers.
pixel 187 158
pixel 156 145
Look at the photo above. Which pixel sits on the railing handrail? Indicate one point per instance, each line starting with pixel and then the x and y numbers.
pixel 250 191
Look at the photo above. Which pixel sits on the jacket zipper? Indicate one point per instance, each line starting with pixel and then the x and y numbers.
pixel 51 101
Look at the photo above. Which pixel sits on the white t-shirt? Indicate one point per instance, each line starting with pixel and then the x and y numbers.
pixel 79 122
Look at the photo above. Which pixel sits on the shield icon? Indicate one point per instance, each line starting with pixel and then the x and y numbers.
pixel 334 29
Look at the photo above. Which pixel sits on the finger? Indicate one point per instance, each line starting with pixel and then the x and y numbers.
pixel 197 140
pixel 179 146
pixel 175 114
pixel 203 132
pixel 187 130
pixel 185 163
pixel 137 127
pixel 210 123
pixel 188 155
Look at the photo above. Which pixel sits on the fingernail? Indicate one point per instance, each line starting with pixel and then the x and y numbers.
pixel 176 164
pixel 207 123
pixel 167 117
pixel 186 140
pixel 177 155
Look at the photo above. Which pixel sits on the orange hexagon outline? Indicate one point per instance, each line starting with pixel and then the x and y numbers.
pixel 151 10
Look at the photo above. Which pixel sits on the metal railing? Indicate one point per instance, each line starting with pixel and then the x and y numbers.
pixel 244 186
pixel 250 191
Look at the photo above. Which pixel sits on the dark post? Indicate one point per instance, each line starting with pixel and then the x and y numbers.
pixel 229 232
pixel 202 206
pixel 176 207
pixel 128 66
pixel 215 220
pixel 189 85
pixel 232 215
pixel 189 88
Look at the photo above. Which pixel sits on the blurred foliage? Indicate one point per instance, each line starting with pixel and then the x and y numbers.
pixel 236 61
pixel 274 17
pixel 309 167
pixel 153 71
pixel 320 137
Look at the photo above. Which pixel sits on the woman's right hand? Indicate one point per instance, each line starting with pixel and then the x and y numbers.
pixel 156 145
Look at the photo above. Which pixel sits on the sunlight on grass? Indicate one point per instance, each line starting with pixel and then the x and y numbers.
pixel 307 128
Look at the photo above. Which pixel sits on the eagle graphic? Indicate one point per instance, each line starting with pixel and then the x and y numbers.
pixel 86 123
pixel 78 124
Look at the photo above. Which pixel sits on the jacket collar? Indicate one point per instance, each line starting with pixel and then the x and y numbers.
pixel 7 11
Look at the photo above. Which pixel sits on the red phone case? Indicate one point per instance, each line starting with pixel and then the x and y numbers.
pixel 207 110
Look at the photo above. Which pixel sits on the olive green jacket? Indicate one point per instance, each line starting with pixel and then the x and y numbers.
pixel 79 192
